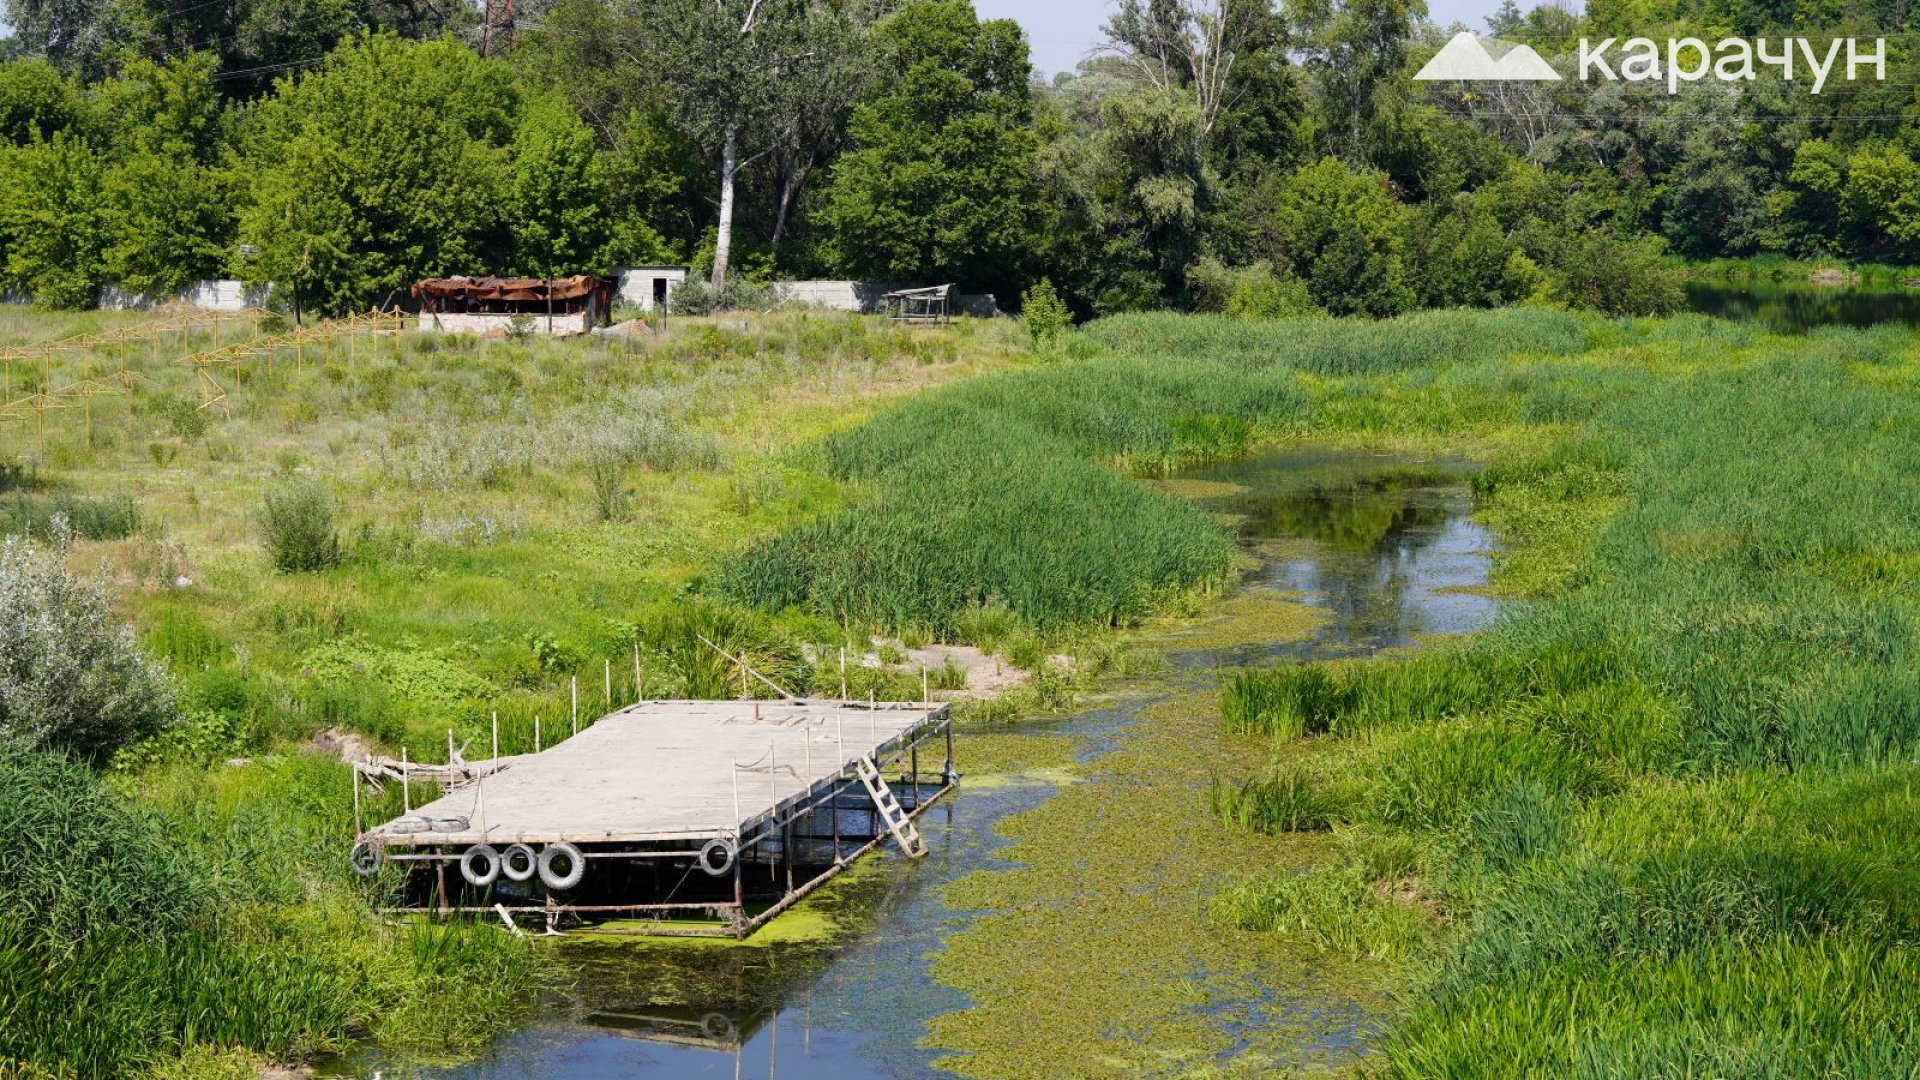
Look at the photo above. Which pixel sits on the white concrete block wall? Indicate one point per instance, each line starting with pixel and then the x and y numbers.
pixel 637 283
pixel 225 295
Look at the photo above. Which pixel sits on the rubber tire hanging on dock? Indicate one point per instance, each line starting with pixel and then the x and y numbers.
pixel 717 867
pixel 366 858
pixel 519 863
pixel 489 870
pixel 576 866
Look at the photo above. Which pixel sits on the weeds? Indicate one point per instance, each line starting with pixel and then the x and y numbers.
pixel 297 523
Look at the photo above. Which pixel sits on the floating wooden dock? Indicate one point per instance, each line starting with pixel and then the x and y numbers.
pixel 687 817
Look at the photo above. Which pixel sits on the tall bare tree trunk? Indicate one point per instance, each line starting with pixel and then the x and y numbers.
pixel 723 246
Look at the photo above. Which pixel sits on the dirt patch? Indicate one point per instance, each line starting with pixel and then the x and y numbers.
pixel 342 744
pixel 988 675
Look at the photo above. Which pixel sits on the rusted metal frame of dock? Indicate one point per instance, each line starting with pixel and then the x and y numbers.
pixel 827 793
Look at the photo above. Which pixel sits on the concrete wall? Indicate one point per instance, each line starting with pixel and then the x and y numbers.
pixel 496 326
pixel 637 283
pixel 206 295
pixel 869 296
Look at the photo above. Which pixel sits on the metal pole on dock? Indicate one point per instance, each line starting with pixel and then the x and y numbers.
pixel 639 678
pixel 536 733
pixel 843 673
pixel 924 695
pixel 449 747
pixel 609 664
pixel 496 738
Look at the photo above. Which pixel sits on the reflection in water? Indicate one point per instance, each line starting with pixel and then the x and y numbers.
pixel 1384 547
pixel 1796 307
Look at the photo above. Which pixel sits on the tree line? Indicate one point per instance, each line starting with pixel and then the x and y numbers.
pixel 1229 155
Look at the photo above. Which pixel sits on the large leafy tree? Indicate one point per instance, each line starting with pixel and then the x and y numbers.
pixel 939 185
pixel 747 78
pixel 390 163
pixel 254 40
pixel 1341 231
pixel 557 194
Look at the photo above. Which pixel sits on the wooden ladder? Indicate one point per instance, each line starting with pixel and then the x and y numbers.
pixel 888 807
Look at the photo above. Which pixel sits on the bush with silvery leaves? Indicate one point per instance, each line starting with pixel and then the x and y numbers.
pixel 71 675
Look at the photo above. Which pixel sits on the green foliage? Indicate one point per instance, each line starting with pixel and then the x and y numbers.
pixel 1254 292
pixel 938 185
pixel 1335 909
pixel 1045 315
pixel 1343 234
pixel 80 861
pixel 556 195
pixel 53 224
pixel 387 164
pixel 1617 276
pixel 71 676
pixel 297 524
pixel 88 519
pixel 1288 801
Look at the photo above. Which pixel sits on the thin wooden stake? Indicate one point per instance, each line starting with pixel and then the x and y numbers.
pixel 406 785
pixel 639 678
pixel 536 734
pixel 576 704
pixel 357 830
pixel 843 673
pixel 609 674
pixel 496 738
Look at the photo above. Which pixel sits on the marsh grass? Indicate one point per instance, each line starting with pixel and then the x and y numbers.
pixel 1655 802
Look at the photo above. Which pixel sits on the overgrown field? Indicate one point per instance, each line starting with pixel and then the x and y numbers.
pixel 388 535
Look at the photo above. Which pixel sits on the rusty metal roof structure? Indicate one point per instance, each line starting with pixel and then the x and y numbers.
pixel 511 290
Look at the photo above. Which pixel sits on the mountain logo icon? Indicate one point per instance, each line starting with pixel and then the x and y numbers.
pixel 1468 59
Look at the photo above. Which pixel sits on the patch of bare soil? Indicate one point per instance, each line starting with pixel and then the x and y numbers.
pixel 343 744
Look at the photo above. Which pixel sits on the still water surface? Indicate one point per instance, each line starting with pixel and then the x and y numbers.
pixel 1383 546
pixel 1798 307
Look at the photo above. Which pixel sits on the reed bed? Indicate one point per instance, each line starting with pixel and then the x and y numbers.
pixel 1656 803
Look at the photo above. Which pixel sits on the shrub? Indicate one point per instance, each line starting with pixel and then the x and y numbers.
pixel 1045 315
pixel 696 296
pixel 297 523
pixel 71 675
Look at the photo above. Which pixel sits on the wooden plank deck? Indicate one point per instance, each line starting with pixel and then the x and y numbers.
pixel 671 771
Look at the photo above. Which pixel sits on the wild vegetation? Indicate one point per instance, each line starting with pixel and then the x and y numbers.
pixel 381 535
pixel 1267 160
pixel 1659 783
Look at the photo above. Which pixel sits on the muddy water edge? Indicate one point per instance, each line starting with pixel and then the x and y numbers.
pixel 1058 925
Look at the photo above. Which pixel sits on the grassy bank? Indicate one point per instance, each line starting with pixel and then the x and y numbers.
pixel 1650 813
pixel 483 523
